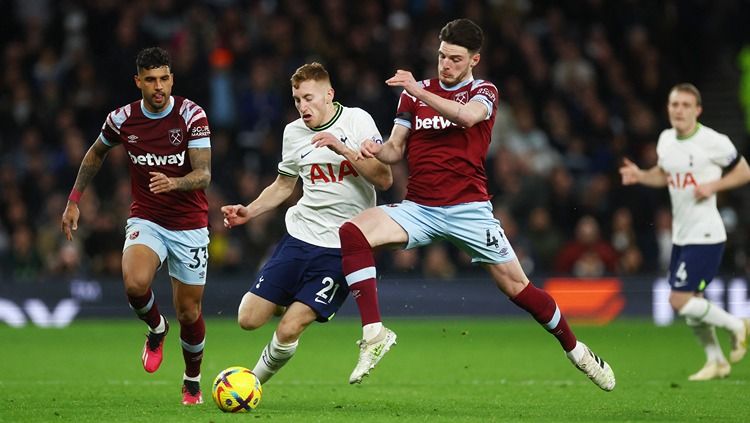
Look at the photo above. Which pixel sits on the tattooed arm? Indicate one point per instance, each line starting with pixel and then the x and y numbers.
pixel 200 160
pixel 90 165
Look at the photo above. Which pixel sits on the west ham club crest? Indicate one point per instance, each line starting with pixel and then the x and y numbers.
pixel 175 136
pixel 461 97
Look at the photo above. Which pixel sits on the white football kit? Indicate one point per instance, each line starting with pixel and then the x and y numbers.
pixel 695 160
pixel 329 181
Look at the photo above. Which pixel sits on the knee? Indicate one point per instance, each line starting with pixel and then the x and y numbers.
pixel 248 321
pixel 289 331
pixel 136 283
pixel 189 315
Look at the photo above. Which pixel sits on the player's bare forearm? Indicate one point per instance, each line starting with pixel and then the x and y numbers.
pixel 393 151
pixel 200 177
pixel 90 165
pixel 654 177
pixel 738 176
pixel 375 172
pixel 463 115
pixel 273 195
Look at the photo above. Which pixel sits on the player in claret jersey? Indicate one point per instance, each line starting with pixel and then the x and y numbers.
pixel 696 162
pixel 167 140
pixel 443 128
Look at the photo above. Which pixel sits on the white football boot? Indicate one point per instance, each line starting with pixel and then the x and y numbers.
pixel 370 353
pixel 596 369
pixel 712 370
pixel 739 342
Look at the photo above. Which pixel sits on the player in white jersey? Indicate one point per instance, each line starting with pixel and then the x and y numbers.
pixel 304 274
pixel 696 162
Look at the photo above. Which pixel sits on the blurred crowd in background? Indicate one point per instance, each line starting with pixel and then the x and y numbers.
pixel 582 85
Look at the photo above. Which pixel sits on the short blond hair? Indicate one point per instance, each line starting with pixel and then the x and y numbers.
pixel 310 71
pixel 687 87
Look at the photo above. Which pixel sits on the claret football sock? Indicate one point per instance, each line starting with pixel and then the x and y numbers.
pixel 358 264
pixel 543 308
pixel 146 308
pixel 193 340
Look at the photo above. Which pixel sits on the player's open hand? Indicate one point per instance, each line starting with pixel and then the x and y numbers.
pixel 235 214
pixel 160 183
pixel 69 221
pixel 630 172
pixel 404 79
pixel 326 139
pixel 369 149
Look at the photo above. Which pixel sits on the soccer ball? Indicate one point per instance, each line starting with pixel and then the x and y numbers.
pixel 236 390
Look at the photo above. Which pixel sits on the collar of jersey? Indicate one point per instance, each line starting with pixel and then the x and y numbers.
pixel 161 114
pixel 336 115
pixel 457 86
pixel 690 135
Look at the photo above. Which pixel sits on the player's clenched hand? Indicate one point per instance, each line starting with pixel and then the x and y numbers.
pixel 369 149
pixel 235 214
pixel 70 220
pixel 404 79
pixel 630 172
pixel 160 183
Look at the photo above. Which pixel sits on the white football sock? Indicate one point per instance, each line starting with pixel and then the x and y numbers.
pixel 191 378
pixel 274 357
pixel 576 354
pixel 371 330
pixel 706 335
pixel 704 311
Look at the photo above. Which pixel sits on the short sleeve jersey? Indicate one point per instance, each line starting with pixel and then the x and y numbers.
pixel 446 162
pixel 691 161
pixel 159 142
pixel 332 190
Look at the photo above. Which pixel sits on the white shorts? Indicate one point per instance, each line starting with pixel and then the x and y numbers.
pixel 186 251
pixel 469 226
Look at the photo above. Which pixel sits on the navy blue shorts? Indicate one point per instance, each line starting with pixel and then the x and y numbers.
pixel 692 267
pixel 298 271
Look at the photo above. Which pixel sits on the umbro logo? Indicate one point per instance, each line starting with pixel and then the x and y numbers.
pixel 132 139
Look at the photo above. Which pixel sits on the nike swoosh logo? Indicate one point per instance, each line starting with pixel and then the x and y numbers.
pixel 305 154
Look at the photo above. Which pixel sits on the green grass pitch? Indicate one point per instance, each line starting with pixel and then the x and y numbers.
pixel 442 370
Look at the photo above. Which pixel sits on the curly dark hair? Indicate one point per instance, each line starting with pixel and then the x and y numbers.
pixel 152 58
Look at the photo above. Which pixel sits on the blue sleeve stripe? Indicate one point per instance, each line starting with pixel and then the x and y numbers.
pixel 204 142
pixel 105 140
pixel 402 122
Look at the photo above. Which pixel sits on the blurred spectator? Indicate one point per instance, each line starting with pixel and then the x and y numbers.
pixel 587 255
pixel 544 238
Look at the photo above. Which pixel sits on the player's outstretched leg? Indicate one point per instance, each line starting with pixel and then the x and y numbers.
pixel 739 342
pixel 371 352
pixel 592 366
pixel 191 392
pixel 153 349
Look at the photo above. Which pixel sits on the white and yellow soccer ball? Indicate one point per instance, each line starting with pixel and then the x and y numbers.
pixel 236 390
